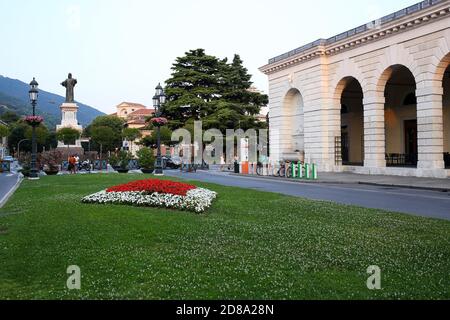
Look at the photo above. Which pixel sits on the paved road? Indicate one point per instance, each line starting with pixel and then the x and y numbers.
pixel 7 182
pixel 417 202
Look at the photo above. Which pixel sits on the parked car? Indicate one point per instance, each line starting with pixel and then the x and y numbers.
pixel 177 160
pixel 169 163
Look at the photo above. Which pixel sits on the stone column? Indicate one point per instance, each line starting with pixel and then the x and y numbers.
pixel 374 130
pixel 430 129
pixel 276 144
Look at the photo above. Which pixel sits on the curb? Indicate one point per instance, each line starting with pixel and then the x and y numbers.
pixel 405 186
pixel 11 192
pixel 291 180
pixel 344 182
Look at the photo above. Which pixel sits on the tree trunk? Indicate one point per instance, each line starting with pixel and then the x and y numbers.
pixel 101 152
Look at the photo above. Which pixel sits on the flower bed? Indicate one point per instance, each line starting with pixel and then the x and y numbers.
pixel 156 193
pixel 154 185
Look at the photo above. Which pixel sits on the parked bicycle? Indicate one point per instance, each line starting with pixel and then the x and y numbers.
pixel 85 165
pixel 278 170
pixel 285 170
pixel 189 168
pixel 260 169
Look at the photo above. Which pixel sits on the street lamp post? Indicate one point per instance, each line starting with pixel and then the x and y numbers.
pixel 158 100
pixel 18 147
pixel 33 99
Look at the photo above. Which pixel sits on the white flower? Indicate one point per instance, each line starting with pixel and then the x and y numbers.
pixel 196 200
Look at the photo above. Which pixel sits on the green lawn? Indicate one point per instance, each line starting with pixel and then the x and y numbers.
pixel 250 245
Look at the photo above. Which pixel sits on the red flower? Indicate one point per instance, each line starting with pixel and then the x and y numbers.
pixel 159 121
pixel 33 120
pixel 154 185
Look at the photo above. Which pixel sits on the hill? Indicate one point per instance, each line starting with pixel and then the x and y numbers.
pixel 14 97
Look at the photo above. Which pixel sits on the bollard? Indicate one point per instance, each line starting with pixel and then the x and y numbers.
pixel 307 171
pixel 300 171
pixel 236 167
pixel 245 167
pixel 314 172
pixel 294 174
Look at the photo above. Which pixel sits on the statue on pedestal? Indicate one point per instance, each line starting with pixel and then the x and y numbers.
pixel 69 84
pixel 69 110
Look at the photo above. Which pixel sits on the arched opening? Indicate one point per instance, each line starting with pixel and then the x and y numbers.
pixel 401 118
pixel 293 126
pixel 446 116
pixel 352 123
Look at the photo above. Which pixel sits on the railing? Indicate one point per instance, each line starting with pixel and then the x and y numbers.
pixel 5 166
pixel 338 150
pixel 103 165
pixel 361 29
pixel 133 164
pixel 401 159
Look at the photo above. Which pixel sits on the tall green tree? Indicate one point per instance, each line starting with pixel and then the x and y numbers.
pixel 112 122
pixel 42 134
pixel 9 117
pixel 131 134
pixel 193 87
pixel 104 137
pixel 20 130
pixel 151 140
pixel 17 135
pixel 239 96
pixel 4 131
pixel 51 142
pixel 203 87
pixel 68 136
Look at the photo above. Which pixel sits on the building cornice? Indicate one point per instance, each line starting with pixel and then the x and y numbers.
pixel 419 14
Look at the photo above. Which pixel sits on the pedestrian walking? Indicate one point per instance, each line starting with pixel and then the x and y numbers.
pixel 77 163
pixel 72 163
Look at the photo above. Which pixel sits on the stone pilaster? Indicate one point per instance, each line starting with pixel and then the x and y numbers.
pixel 374 130
pixel 430 127
pixel 275 138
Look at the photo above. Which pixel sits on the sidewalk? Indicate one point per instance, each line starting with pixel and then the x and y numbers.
pixel 442 185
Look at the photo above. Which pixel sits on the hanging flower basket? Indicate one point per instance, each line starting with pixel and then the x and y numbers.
pixel 34 120
pixel 159 122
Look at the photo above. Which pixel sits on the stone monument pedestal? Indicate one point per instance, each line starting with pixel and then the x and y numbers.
pixel 69 120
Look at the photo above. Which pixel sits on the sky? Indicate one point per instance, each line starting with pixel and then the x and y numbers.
pixel 120 49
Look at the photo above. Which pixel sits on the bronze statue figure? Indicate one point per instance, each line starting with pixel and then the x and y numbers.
pixel 69 84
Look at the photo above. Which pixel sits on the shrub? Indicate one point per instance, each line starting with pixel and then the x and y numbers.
pixel 113 160
pixel 124 158
pixel 146 158
pixel 25 162
pixel 51 160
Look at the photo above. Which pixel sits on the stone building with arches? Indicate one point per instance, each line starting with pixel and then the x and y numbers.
pixel 372 100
